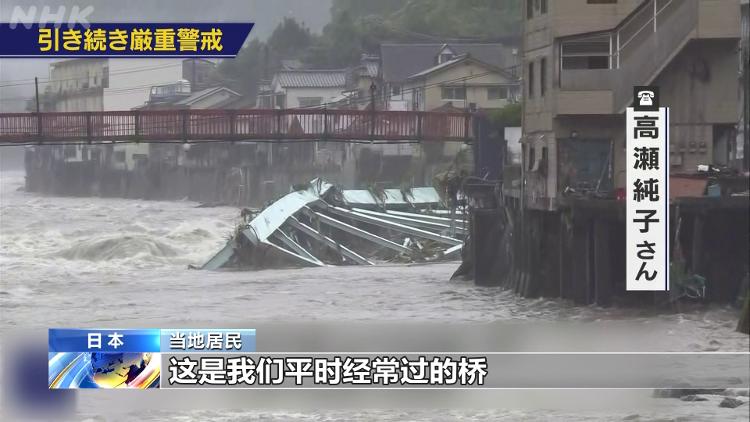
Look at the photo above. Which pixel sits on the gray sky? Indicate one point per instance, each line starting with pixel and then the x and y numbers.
pixel 265 13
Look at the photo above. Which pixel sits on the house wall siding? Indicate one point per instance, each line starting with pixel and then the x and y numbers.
pixel 476 87
pixel 293 95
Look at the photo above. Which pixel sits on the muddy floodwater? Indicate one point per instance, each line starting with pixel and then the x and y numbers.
pixel 82 262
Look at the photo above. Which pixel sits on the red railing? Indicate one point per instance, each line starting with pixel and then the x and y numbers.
pixel 228 125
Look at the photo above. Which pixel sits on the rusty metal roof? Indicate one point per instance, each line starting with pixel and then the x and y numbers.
pixel 681 187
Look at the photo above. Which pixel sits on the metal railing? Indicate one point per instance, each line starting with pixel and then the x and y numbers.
pixel 646 41
pixel 640 25
pixel 231 125
pixel 640 45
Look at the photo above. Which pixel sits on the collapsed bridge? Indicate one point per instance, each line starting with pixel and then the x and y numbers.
pixel 323 225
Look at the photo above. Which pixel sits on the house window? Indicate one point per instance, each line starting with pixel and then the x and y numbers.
pixel 543 76
pixel 105 77
pixel 444 57
pixel 265 101
pixel 531 80
pixel 140 160
pixel 497 93
pixel 453 93
pixel 586 53
pixel 280 100
pixel 416 99
pixel 396 90
pixel 532 158
pixel 529 9
pixel 543 7
pixel 310 101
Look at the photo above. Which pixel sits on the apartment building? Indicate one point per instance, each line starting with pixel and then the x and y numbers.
pixel 104 84
pixel 96 84
pixel 131 79
pixel 581 59
pixel 77 84
pixel 564 210
pixel 743 134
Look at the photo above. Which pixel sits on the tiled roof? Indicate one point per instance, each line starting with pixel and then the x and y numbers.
pixel 311 78
pixel 456 60
pixel 403 60
pixel 372 69
pixel 291 64
pixel 439 66
pixel 198 95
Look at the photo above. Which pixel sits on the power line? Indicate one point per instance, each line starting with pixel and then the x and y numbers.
pixel 110 91
pixel 19 82
pixel 135 88
pixel 364 100
pixel 411 90
pixel 113 91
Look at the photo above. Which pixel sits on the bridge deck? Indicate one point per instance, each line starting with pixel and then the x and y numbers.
pixel 232 125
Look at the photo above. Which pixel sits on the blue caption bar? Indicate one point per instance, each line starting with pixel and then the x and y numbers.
pixel 103 340
pixel 151 340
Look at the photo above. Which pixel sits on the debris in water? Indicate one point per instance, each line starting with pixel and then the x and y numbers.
pixel 321 225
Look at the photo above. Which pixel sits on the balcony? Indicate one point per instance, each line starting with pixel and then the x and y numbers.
pixel 607 65
pixel 585 102
pixel 587 79
pixel 586 91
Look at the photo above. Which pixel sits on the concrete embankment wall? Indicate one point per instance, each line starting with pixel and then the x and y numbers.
pixel 227 174
pixel 241 186
pixel 578 253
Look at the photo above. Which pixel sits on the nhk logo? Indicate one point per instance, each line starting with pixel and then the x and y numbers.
pixel 33 15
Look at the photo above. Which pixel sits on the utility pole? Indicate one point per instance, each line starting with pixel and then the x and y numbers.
pixel 193 83
pixel 36 85
pixel 265 62
pixel 373 89
pixel 38 115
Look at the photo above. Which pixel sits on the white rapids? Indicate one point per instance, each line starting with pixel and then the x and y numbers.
pixel 77 262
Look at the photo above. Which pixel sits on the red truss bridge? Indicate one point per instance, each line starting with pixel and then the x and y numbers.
pixel 233 125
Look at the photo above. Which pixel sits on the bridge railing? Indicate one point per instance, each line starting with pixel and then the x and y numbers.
pixel 223 125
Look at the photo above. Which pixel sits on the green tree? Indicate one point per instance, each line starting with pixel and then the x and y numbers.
pixel 365 7
pixel 425 20
pixel 289 39
pixel 510 115
pixel 470 19
pixel 360 26
pixel 257 59
pixel 344 40
pixel 244 71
